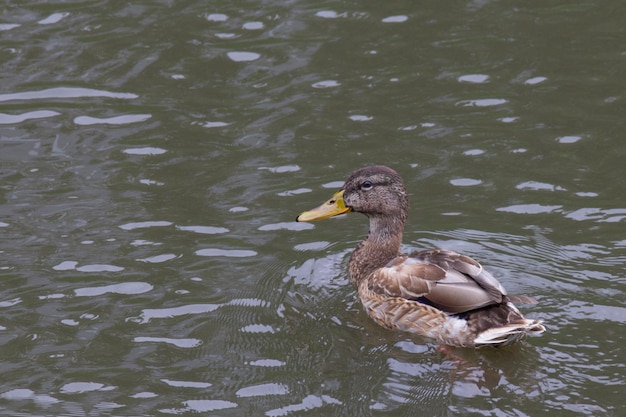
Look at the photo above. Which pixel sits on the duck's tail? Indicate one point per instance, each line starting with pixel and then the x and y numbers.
pixel 510 333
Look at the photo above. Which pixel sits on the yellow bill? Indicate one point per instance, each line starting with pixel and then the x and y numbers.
pixel 333 207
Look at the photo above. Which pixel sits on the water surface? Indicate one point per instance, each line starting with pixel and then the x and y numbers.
pixel 154 155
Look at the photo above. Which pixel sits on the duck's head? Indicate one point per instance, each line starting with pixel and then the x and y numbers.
pixel 376 191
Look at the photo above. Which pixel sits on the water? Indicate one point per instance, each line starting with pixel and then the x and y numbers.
pixel 154 155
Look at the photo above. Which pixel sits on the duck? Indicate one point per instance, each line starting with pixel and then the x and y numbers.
pixel 439 294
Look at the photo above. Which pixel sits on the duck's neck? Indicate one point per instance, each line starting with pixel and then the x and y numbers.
pixel 381 245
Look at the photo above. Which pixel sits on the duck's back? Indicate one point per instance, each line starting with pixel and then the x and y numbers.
pixel 446 296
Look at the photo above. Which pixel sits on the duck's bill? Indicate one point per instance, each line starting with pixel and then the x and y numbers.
pixel 333 207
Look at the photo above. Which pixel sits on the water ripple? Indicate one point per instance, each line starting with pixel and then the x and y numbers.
pixel 205 230
pixel 166 313
pixel 53 18
pixel 185 384
pixel 309 402
pixel 530 209
pixel 227 253
pixel 262 390
pixel 21 394
pixel 9 26
pixel 146 150
pixel 82 387
pixel 239 56
pixel 200 406
pixel 294 226
pixel 7 119
pixel 64 93
pixel 127 288
pixel 116 120
pixel 144 224
pixel 181 342
pixel 483 102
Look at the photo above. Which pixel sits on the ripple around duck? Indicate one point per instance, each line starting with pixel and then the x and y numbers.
pixel 552 273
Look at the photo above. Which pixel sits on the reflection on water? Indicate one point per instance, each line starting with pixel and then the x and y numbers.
pixel 63 93
pixel 153 158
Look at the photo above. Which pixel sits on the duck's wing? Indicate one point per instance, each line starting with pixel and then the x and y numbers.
pixel 447 280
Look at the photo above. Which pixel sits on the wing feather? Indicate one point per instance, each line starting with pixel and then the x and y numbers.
pixel 447 280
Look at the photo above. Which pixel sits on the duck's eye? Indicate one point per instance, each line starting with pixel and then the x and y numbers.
pixel 366 185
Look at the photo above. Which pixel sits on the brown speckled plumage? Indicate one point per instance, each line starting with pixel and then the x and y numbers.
pixel 436 293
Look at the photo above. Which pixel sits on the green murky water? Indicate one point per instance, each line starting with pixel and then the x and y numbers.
pixel 154 155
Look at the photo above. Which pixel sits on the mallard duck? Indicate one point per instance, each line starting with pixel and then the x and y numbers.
pixel 437 293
